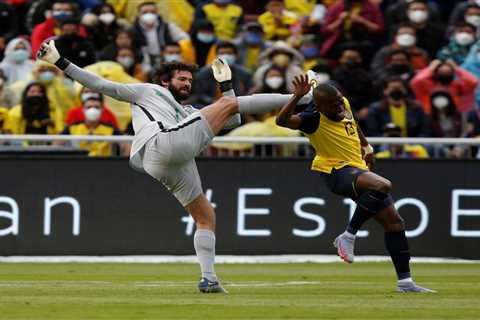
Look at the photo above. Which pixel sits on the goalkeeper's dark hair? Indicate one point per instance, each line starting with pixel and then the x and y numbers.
pixel 166 70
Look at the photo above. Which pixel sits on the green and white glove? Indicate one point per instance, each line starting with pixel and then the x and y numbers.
pixel 49 53
pixel 222 73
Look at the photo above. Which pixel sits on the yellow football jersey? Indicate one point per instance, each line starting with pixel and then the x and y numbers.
pixel 337 144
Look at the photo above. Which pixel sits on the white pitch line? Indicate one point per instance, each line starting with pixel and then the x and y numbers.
pixel 223 259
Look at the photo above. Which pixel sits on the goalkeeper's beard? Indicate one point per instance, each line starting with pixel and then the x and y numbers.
pixel 180 94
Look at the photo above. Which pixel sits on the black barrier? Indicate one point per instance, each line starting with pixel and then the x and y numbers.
pixel 102 207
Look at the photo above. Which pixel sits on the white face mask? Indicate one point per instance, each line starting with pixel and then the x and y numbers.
pixel 148 18
pixel 127 62
pixel 274 82
pixel 172 57
pixel 473 20
pixel 107 18
pixel 464 38
pixel 440 102
pixel 406 40
pixel 418 16
pixel 93 114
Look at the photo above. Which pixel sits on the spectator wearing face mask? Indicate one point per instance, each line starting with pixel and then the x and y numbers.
pixel 464 9
pixel 472 65
pixel 355 81
pixel 126 57
pixel 430 35
pixel 73 46
pixel 225 16
pixel 205 89
pixel 123 39
pixel 200 48
pixel 77 114
pixel 351 20
pixel 397 64
pixel 446 121
pixel 60 11
pixel 7 96
pixel 92 125
pixel 152 32
pixel 60 92
pixel 106 25
pixel 472 16
pixel 461 41
pixel 399 108
pixel 251 43
pixel 273 82
pixel 446 76
pixel 282 56
pixel 17 64
pixel 406 151
pixel 277 21
pixel 405 39
pixel 33 115
pixel 172 52
pixel 396 12
pixel 310 50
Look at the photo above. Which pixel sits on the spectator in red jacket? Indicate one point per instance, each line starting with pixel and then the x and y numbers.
pixel 77 114
pixel 351 20
pixel 61 10
pixel 447 76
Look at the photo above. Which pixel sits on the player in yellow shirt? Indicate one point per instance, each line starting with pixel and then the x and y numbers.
pixel 343 158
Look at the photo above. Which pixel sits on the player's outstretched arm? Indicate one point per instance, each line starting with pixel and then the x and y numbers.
pixel 49 53
pixel 285 117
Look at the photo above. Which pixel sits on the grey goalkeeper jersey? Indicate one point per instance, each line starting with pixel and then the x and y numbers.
pixel 153 107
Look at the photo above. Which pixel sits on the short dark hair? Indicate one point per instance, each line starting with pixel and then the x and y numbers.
pixel 400 51
pixel 325 89
pixel 463 24
pixel 391 79
pixel 226 44
pixel 170 44
pixel 146 3
pixel 167 70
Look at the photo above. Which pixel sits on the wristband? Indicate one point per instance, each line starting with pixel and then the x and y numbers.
pixel 62 63
pixel 367 149
pixel 226 85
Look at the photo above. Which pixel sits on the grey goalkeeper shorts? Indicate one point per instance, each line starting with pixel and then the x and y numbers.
pixel 169 156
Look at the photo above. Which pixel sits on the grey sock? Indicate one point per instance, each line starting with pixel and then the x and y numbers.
pixel 235 120
pixel 266 102
pixel 204 243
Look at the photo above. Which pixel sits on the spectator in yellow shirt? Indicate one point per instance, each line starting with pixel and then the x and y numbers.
pixel 225 16
pixel 92 125
pixel 409 151
pixel 277 21
pixel 33 115
pixel 201 48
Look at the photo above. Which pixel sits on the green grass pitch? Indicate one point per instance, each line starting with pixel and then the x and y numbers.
pixel 257 291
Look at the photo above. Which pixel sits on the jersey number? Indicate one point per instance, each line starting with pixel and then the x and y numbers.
pixel 350 128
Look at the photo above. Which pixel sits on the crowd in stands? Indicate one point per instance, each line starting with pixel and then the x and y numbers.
pixel 410 68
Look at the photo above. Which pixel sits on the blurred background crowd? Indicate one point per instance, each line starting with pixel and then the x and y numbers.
pixel 410 68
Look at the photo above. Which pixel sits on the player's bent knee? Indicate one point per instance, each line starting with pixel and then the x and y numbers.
pixel 384 186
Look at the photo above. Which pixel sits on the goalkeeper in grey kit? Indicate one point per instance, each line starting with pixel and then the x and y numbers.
pixel 169 135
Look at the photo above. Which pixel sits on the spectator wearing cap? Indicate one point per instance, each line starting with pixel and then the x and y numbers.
pixel 282 56
pixel 205 86
pixel 225 16
pixel 60 11
pixel 407 151
pixel 399 108
pixel 77 114
pixel 462 39
pixel 250 43
pixel 73 46
pixel 277 22
pixel 404 38
pixel 151 32
pixel 200 48
pixel 430 34
pixel 16 64
pixel 92 125
pixel 354 80
pixel 448 76
pixel 351 20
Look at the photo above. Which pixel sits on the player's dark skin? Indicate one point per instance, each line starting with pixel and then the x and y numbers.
pixel 332 106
